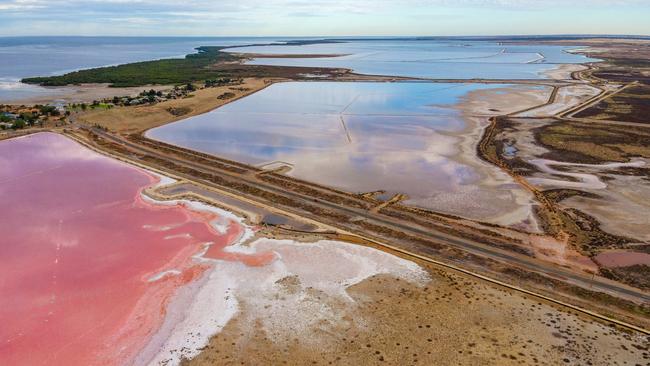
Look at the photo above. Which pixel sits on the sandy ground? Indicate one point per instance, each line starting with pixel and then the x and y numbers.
pixel 451 320
pixel 498 199
pixel 622 207
pixel 564 71
pixel 82 93
pixel 567 97
pixel 141 118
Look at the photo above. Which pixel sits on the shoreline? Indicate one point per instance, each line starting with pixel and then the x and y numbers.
pixel 85 93
pixel 200 310
pixel 475 110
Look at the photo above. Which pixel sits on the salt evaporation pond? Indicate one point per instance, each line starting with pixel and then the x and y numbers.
pixel 94 273
pixel 443 59
pixel 360 137
pixel 87 266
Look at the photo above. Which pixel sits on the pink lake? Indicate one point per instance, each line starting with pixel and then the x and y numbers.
pixel 616 258
pixel 81 254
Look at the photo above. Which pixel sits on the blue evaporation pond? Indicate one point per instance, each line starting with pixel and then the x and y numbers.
pixel 426 59
pixel 359 137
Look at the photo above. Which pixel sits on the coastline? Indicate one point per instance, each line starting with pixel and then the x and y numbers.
pixel 85 93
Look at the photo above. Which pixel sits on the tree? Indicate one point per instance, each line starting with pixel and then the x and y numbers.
pixel 18 124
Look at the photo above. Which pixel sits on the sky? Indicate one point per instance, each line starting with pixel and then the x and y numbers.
pixel 322 17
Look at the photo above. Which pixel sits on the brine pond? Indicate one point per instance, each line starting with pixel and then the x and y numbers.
pixel 87 264
pixel 361 137
pixel 422 58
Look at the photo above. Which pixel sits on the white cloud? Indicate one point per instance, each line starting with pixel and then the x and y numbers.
pixel 258 16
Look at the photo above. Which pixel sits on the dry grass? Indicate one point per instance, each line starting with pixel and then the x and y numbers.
pixel 136 119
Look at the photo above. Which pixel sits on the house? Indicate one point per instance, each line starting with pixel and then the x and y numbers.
pixel 9 115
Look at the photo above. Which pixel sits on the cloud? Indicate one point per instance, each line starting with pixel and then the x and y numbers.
pixel 258 16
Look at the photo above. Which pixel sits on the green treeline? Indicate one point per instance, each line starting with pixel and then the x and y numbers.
pixel 193 67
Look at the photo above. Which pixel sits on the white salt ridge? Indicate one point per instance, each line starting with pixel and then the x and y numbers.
pixel 201 309
pixel 325 267
pixel 178 236
pixel 584 180
pixel 163 180
pixel 163 274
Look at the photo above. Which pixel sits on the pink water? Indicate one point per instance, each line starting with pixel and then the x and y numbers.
pixel 622 259
pixel 79 249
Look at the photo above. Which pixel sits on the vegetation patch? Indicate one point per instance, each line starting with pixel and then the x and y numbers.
pixel 626 70
pixel 637 275
pixel 559 195
pixel 193 67
pixel 593 143
pixel 630 105
pixel 179 111
pixel 226 95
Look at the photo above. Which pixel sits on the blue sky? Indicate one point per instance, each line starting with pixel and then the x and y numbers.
pixel 323 17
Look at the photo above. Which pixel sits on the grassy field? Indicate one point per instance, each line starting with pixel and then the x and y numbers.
pixel 136 119
pixel 193 67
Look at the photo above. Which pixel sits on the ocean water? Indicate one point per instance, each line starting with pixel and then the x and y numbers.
pixel 443 59
pixel 41 56
pixel 22 57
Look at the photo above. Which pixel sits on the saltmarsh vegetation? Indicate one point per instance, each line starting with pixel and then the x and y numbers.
pixel 194 67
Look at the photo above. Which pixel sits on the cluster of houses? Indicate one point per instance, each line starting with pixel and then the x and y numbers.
pixel 156 96
pixel 18 117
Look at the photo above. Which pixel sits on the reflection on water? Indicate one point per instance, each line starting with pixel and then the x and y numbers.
pixel 360 137
pixel 452 59
pixel 86 266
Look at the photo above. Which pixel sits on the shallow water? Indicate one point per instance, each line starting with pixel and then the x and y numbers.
pixel 86 266
pixel 360 137
pixel 445 59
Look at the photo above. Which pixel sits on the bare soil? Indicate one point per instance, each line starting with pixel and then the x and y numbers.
pixel 453 320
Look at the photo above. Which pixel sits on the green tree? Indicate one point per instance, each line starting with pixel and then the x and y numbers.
pixel 18 124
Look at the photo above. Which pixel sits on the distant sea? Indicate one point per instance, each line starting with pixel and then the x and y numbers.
pixel 40 56
pixel 22 57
